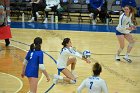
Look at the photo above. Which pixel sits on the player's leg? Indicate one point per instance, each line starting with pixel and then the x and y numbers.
pixel 33 84
pixel 34 10
pixel 131 41
pixel 69 76
pixel 72 62
pixel 121 43
pixel 7 42
pixel 95 13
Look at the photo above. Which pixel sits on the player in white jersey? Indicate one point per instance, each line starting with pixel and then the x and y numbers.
pixel 65 60
pixel 94 84
pixel 124 28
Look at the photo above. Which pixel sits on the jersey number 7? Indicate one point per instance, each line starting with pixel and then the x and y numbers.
pixel 91 83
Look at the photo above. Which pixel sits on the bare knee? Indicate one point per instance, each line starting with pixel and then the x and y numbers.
pixel 121 48
pixel 131 44
pixel 74 60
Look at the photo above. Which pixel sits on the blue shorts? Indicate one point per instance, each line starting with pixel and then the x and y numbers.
pixel 119 33
pixel 59 70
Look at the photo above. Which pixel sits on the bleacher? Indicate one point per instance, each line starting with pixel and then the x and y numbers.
pixel 72 10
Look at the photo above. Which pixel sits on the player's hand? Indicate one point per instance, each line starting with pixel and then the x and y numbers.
pixel 129 28
pixel 48 78
pixel 88 61
pixel 22 75
pixel 133 27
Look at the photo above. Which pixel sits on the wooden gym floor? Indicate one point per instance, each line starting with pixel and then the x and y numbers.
pixel 121 77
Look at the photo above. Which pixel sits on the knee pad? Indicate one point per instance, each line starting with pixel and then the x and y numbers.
pixel 72 81
pixel 131 44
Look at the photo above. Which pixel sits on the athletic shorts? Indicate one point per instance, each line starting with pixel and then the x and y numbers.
pixel 59 70
pixel 119 33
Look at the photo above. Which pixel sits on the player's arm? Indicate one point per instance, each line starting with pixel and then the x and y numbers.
pixel 42 67
pixel 23 68
pixel 121 21
pixel 83 85
pixel 72 52
pixel 25 62
pixel 104 87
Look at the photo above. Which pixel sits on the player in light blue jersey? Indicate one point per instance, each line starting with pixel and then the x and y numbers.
pixel 94 84
pixel 32 63
pixel 65 59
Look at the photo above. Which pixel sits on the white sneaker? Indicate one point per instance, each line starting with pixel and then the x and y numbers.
pixel 117 58
pixel 32 20
pixel 127 59
pixel 55 79
pixel 93 22
pixel 46 20
pixel 37 14
pixel 91 15
pixel 8 19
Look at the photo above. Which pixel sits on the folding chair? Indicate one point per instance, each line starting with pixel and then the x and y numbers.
pixel 74 8
pixel 84 12
pixel 115 9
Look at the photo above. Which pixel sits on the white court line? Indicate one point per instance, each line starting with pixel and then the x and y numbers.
pixel 42 75
pixel 21 83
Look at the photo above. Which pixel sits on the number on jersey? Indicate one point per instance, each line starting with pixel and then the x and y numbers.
pixel 31 55
pixel 91 83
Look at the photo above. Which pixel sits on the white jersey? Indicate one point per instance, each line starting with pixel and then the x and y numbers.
pixel 64 56
pixel 94 85
pixel 124 22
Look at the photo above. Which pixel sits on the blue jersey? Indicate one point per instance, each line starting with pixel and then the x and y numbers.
pixel 34 58
pixel 96 3
pixel 128 2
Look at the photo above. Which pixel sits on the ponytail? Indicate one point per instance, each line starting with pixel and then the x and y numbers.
pixel 65 42
pixel 32 47
pixel 36 46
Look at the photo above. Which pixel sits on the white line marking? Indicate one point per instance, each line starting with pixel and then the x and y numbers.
pixel 21 83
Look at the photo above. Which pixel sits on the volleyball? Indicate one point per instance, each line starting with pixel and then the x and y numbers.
pixel 86 54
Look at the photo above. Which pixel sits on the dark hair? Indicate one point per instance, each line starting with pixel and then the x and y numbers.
pixel 36 45
pixel 97 69
pixel 65 42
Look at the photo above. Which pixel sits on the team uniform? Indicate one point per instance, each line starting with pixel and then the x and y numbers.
pixel 94 85
pixel 64 56
pixel 124 22
pixel 34 59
